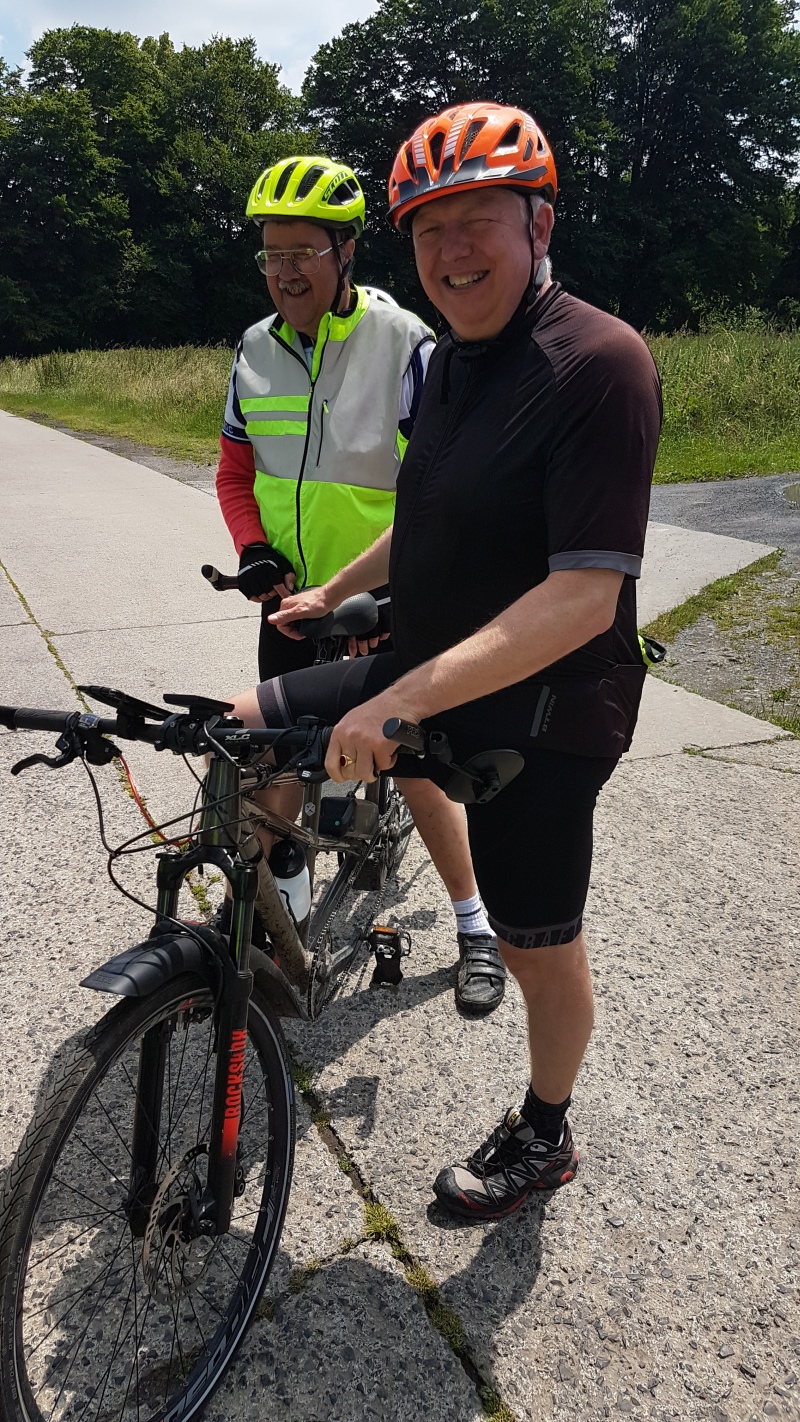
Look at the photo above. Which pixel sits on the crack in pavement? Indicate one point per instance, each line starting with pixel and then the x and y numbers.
pixel 150 626
pixel 425 1289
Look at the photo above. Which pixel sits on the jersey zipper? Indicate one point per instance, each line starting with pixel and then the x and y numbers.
pixel 455 412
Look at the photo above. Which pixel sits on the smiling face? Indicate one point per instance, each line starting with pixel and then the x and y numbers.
pixel 302 299
pixel 473 254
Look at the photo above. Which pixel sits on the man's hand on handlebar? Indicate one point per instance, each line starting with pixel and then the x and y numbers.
pixel 358 748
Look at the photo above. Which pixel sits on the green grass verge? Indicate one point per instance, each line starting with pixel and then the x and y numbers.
pixel 731 399
pixel 170 399
pixel 757 605
pixel 731 403
pixel 713 600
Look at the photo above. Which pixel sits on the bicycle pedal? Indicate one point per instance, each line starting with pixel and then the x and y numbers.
pixel 390 946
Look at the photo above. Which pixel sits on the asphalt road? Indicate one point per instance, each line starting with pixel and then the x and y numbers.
pixel 754 508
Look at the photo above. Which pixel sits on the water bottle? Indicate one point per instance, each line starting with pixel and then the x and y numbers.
pixel 290 871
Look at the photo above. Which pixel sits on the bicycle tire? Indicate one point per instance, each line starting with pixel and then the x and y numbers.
pixel 106 1375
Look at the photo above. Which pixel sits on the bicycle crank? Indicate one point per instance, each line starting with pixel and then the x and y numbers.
pixel 174 1256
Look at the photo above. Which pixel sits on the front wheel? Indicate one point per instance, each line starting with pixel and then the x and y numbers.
pixel 110 1311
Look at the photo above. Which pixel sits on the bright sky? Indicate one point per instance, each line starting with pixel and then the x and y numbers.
pixel 286 34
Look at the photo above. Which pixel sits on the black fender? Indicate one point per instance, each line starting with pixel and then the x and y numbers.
pixel 142 969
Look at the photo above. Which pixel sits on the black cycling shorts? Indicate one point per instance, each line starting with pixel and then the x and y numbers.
pixel 532 844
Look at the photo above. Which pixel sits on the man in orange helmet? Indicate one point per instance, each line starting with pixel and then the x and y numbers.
pixel 518 536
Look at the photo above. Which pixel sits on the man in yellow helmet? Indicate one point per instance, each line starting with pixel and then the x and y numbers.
pixel 322 400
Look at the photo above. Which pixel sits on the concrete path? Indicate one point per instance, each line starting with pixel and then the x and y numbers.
pixel 663 1284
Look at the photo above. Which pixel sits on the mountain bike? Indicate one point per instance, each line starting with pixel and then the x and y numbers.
pixel 368 829
pixel 142 1213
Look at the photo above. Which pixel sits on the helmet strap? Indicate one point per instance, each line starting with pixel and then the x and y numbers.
pixel 539 270
pixel 345 269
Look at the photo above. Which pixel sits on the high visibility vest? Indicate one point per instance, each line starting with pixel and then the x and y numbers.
pixel 327 447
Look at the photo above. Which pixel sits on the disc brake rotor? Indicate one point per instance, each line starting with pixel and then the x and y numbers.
pixel 173 1262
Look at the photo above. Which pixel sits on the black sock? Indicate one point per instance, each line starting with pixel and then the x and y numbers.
pixel 545 1118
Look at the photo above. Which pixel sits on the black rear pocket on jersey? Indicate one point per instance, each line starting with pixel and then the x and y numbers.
pixel 591 714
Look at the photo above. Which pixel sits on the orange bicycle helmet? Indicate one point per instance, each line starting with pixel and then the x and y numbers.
pixel 470 146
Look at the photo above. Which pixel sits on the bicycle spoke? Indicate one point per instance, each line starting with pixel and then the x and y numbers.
pixel 76 1301
pixel 93 1154
pixel 113 1125
pixel 116 1345
pixel 54 1254
pixel 98 1341
pixel 65 1185
pixel 78 1345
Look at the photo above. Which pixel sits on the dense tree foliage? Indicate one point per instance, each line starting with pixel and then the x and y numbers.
pixel 675 127
pixel 124 172
pixel 125 164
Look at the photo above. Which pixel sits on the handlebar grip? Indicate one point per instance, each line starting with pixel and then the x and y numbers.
pixel 406 735
pixel 220 582
pixel 356 617
pixel 24 718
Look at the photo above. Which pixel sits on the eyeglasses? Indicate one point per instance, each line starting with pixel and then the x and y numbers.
pixel 303 259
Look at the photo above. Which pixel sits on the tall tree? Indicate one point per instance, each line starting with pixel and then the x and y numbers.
pixel 675 128
pixel 138 158
pixel 706 98
pixel 65 244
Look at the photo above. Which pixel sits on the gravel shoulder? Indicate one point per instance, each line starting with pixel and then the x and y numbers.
pixel 744 650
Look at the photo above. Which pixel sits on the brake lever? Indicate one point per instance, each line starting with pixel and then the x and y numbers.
pixel 55 762
pixel 73 743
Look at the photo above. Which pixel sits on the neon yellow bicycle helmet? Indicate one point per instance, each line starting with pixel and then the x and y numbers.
pixel 315 189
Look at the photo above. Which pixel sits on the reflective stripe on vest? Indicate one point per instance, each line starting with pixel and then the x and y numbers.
pixel 334 430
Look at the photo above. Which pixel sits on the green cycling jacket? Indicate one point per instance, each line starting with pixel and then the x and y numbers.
pixel 326 442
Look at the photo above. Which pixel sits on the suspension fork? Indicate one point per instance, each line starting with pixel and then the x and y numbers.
pixel 218 845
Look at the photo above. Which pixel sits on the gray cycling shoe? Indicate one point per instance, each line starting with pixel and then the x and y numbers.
pixel 481 981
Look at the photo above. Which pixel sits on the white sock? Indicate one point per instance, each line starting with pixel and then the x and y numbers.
pixel 470 916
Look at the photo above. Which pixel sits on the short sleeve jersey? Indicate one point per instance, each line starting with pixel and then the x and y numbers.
pixel 532 454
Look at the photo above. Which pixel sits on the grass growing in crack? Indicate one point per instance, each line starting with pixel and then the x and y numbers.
pixel 301 1076
pixel 199 893
pixel 495 1407
pixel 302 1276
pixel 712 601
pixel 379 1224
pixel 265 1311
pixel 444 1319
pixel 344 1164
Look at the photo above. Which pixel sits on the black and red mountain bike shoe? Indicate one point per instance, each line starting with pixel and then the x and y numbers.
pixel 504 1171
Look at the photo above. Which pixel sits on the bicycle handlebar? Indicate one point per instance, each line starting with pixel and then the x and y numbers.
pixel 181 733
pixel 201 730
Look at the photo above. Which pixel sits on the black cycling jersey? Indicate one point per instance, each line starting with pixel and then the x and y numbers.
pixel 531 454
